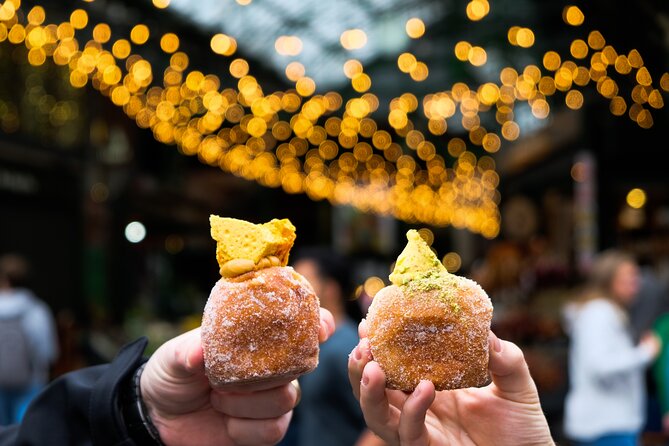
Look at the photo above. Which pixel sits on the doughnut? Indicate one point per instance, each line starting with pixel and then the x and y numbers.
pixel 261 320
pixel 429 324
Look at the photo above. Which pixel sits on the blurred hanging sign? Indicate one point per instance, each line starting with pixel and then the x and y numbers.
pixel 585 209
pixel 18 181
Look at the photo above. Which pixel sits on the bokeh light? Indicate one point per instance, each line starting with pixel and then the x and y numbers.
pixel 636 198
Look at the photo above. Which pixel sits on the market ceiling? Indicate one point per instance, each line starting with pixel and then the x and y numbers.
pixel 393 107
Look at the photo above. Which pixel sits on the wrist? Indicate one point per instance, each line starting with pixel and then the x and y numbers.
pixel 136 415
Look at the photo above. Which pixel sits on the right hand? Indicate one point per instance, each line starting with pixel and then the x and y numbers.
pixel 507 411
pixel 187 411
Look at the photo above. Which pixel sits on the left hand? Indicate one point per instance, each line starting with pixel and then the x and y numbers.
pixel 507 411
pixel 187 411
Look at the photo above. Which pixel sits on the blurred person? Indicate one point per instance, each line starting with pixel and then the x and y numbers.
pixel 647 312
pixel 28 340
pixel 165 400
pixel 328 414
pixel 506 412
pixel 605 403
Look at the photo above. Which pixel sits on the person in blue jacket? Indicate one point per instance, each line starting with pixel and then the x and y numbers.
pixel 28 339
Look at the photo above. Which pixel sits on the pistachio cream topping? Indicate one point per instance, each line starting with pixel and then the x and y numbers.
pixel 418 270
pixel 416 261
pixel 242 246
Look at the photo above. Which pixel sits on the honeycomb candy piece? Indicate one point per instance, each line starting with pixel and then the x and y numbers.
pixel 239 239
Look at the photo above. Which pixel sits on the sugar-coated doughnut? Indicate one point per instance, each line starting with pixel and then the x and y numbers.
pixel 262 325
pixel 262 318
pixel 429 324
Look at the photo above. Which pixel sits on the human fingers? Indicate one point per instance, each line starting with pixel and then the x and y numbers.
pixel 173 380
pixel 253 432
pixel 651 342
pixel 412 429
pixel 179 358
pixel 380 416
pixel 270 403
pixel 327 326
pixel 509 371
pixel 189 353
pixel 357 361
pixel 363 329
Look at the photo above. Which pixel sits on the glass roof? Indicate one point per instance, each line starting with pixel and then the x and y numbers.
pixel 318 24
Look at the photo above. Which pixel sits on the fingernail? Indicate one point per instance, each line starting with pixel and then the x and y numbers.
pixel 365 380
pixel 187 361
pixel 496 344
pixel 416 391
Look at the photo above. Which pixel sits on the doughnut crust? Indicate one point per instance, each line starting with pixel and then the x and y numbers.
pixel 262 325
pixel 436 333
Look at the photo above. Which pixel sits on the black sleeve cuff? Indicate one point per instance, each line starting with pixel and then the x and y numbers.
pixel 104 407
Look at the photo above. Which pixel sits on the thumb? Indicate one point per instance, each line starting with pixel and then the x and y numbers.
pixel 509 371
pixel 182 357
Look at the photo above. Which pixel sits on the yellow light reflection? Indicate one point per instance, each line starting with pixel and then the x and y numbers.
pixel 223 44
pixel 352 67
pixel 373 285
pixel 415 28
pixel 139 34
pixel 406 62
pixel 477 9
pixel 101 33
pixel 477 56
pixel 578 49
pixel 574 99
pixel 79 19
pixel 525 37
pixel 573 16
pixel 121 49
pixel 288 45
pixel 36 15
pixel 552 60
pixel 294 71
pixel 427 235
pixel 596 40
pixel 636 198
pixel 452 261
pixel 353 39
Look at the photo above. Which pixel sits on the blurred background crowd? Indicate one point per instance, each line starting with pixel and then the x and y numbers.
pixel 522 138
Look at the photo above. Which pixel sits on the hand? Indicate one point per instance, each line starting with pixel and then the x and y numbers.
pixel 507 411
pixel 187 411
pixel 652 343
pixel 665 423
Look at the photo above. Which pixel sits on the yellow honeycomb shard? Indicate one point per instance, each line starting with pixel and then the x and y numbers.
pixel 240 239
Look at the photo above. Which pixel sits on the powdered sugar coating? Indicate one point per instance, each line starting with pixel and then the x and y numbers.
pixel 261 325
pixel 434 333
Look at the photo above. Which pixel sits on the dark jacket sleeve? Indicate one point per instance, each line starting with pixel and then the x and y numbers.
pixel 80 407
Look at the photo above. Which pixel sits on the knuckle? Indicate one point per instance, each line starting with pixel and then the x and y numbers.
pixel 285 400
pixel 220 402
pixel 273 431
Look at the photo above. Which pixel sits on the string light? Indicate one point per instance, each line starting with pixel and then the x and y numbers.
pixel 241 130
pixel 415 28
